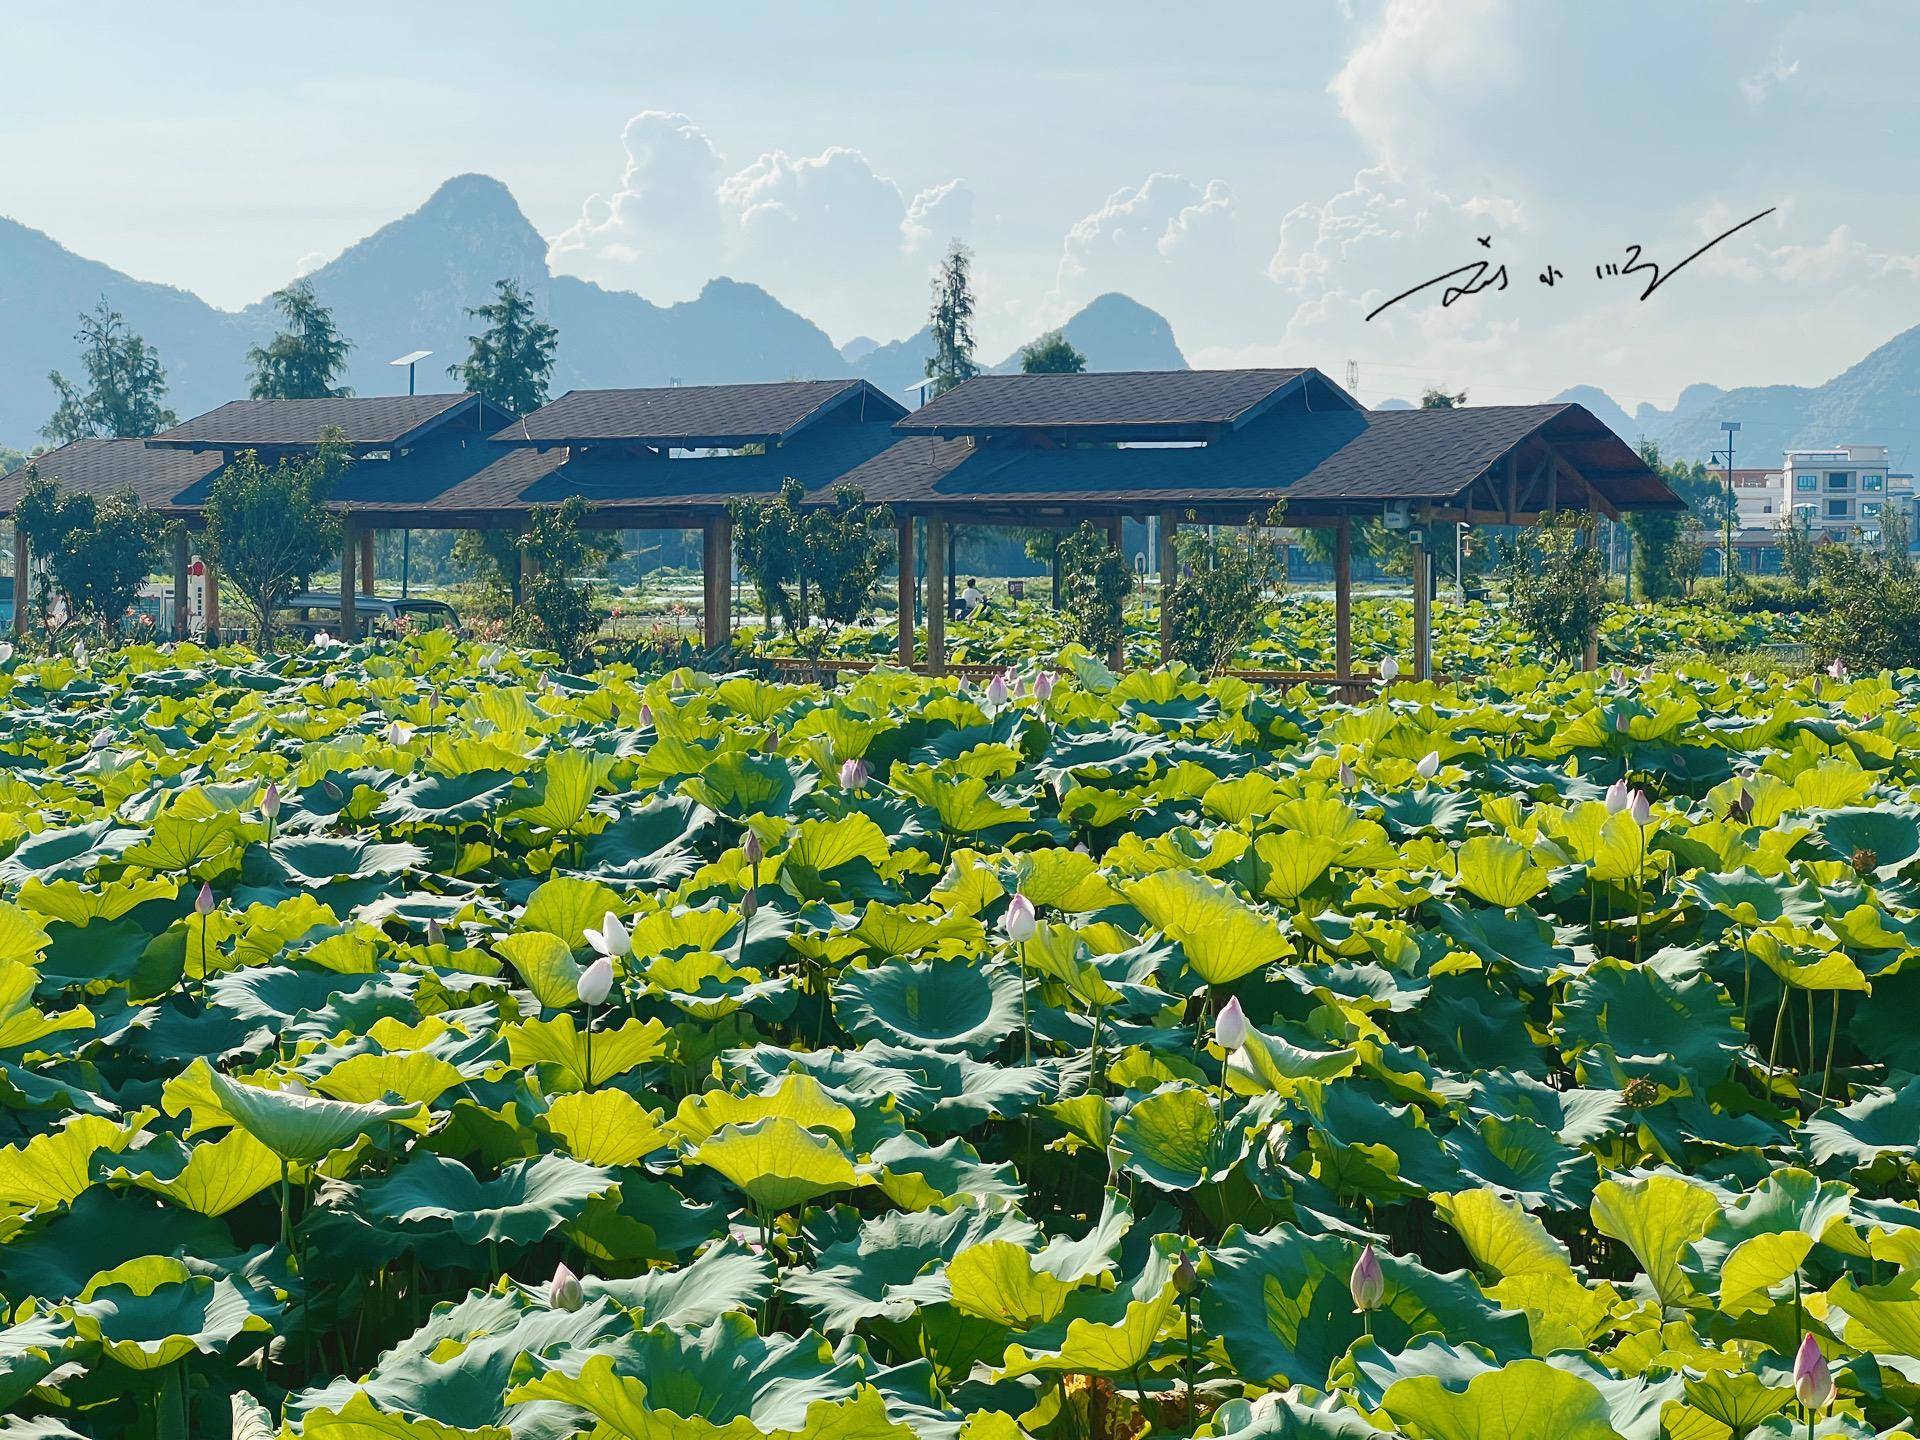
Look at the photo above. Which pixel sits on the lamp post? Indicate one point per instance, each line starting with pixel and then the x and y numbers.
pixel 1732 428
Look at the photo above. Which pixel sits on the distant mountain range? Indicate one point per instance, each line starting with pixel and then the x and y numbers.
pixel 408 286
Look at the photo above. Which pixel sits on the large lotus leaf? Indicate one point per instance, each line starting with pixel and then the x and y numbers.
pixel 1271 1063
pixel 210 1178
pixel 545 963
pixel 23 932
pixel 359 1419
pixel 799 1098
pixel 997 1281
pixel 55 1168
pixel 737 1382
pixel 1502 1237
pixel 23 1023
pixel 1762 1239
pixel 834 859
pixel 1880 838
pixel 180 842
pixel 741 785
pixel 1103 1332
pixel 1738 1399
pixel 777 1163
pixel 916 1175
pixel 560 1049
pixel 961 804
pixel 63 853
pixel 891 1264
pixel 148 1313
pixel 606 1127
pixel 652 844
pixel 1222 936
pixel 562 790
pixel 1500 871
pixel 1657 1217
pixel 1367 1145
pixel 417 1076
pixel 314 861
pixel 1518 940
pixel 1280 1304
pixel 1063 880
pixel 1883 1318
pixel 1289 1417
pixel 1177 1139
pixel 524 1204
pixel 1751 899
pixel 722 1278
pixel 434 799
pixel 941 1004
pixel 1523 1400
pixel 569 906
pixel 1525 1160
pixel 104 1228
pixel 30 1348
pixel 1678 1030
pixel 1881 1122
pixel 297 1127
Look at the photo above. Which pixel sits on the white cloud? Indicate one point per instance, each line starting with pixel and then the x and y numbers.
pixel 826 233
pixel 1769 77
pixel 1167 238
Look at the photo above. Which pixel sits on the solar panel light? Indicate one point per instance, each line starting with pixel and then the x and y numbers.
pixel 411 359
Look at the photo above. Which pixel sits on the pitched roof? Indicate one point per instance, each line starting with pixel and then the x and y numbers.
pixel 696 416
pixel 109 467
pixel 1165 403
pixel 366 420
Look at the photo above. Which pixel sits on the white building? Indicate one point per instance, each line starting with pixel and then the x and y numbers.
pixel 1842 493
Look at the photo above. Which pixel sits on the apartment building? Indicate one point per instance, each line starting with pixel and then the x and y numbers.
pixel 1843 493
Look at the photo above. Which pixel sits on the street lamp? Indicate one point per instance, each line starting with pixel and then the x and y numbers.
pixel 1732 428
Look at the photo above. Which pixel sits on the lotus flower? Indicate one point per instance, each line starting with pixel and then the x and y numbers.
pixel 270 801
pixel 1230 1026
pixel 1043 686
pixel 1838 670
pixel 596 981
pixel 1639 807
pixel 996 692
pixel 6 651
pixel 1389 670
pixel 1347 778
pixel 1812 1380
pixel 1019 686
pixel 1019 922
pixel 80 652
pixel 1621 723
pixel 751 848
pixel 398 734
pixel 102 738
pixel 646 716
pixel 610 940
pixel 853 775
pixel 435 935
pixel 322 640
pixel 1186 1279
pixel 563 1291
pixel 1429 765
pixel 1618 794
pixel 1368 1283
pixel 203 902
pixel 749 906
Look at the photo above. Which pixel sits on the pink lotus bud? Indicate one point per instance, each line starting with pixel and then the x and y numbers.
pixel 646 716
pixel 1369 1282
pixel 1812 1380
pixel 563 1291
pixel 1617 797
pixel 1043 686
pixel 1019 922
pixel 1838 670
pixel 750 902
pixel 853 775
pixel 1230 1026
pixel 596 981
pixel 750 847
pixel 1621 723
pixel 1639 807
pixel 996 692
pixel 270 801
pixel 203 902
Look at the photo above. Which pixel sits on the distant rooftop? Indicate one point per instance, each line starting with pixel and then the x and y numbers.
pixel 365 420
pixel 112 467
pixel 1158 404
pixel 697 417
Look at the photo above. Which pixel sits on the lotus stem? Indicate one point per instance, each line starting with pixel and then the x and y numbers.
pixel 1833 1026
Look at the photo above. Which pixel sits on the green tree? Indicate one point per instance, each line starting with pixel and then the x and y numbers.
pixel 556 611
pixel 307 357
pixel 1556 582
pixel 510 361
pixel 11 459
pixel 1666 554
pixel 951 320
pixel 1434 398
pixel 1796 553
pixel 1094 585
pixel 269 529
pixel 1870 603
pixel 804 560
pixel 1051 354
pixel 96 552
pixel 1223 589
pixel 125 390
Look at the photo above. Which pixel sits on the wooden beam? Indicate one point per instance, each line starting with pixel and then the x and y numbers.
pixel 1513 486
pixel 366 562
pixel 936 595
pixel 182 558
pixel 716 575
pixel 349 546
pixel 908 593
pixel 1167 561
pixel 1343 599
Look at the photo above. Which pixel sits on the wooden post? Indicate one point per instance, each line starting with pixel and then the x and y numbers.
pixel 716 571
pixel 1116 542
pixel 212 578
pixel 1168 561
pixel 1422 610
pixel 20 562
pixel 366 562
pixel 349 543
pixel 907 593
pixel 936 595
pixel 1343 599
pixel 182 550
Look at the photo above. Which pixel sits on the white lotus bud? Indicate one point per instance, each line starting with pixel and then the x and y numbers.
pixel 1617 797
pixel 563 1291
pixel 1230 1025
pixel 596 982
pixel 1429 765
pixel 1640 808
pixel 1389 670
pixel 1020 921
pixel 270 801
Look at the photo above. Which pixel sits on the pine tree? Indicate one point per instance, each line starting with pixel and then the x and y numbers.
pixel 952 321
pixel 511 360
pixel 125 387
pixel 304 360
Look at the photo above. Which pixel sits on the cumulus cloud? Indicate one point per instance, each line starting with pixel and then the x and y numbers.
pixel 1167 238
pixel 826 232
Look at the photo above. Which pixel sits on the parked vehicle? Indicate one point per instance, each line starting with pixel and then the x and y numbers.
pixel 316 612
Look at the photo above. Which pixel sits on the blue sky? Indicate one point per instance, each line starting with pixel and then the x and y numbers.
pixel 1263 174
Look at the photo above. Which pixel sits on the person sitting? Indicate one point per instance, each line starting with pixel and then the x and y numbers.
pixel 972 600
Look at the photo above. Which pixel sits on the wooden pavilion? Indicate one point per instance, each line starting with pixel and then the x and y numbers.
pixel 1187 447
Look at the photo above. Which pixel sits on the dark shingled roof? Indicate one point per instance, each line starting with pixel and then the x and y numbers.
pixel 109 467
pixel 366 420
pixel 696 416
pixel 1170 403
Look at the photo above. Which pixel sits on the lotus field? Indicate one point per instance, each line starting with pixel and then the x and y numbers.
pixel 415 1042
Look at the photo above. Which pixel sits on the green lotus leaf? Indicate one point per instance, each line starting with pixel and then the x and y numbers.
pixel 524 1204
pixel 1500 871
pixel 568 907
pixel 1222 936
pixel 69 853
pixel 1762 1239
pixel 1883 1318
pixel 1523 1400
pixel 104 1228
pixel 997 1281
pixel 559 1048
pixel 301 1128
pixel 1102 1332
pixel 1883 837
pixel 1750 899
pixel 545 964
pixel 742 785
pixel 799 1098
pixel 1525 1160
pixel 606 1127
pixel 722 1278
pixel 1502 1237
pixel 30 1349
pixel 1064 881
pixel 961 804
pixel 1650 1024
pixel 417 1077
pixel 23 1023
pixel 1657 1217
pixel 777 1164
pixel 1881 1122
pixel 314 861
pixel 941 1004
pixel 56 1168
pixel 1176 1139
pixel 180 842
pixel 889 1266
pixel 435 799
pixel 1285 1417
pixel 210 1178
pixel 561 791
pixel 916 1175
pixel 1267 1063
pixel 1738 1399
pixel 359 1419
pixel 148 1313
pixel 826 857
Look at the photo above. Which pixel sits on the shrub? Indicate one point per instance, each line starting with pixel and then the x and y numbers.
pixel 1556 582
pixel 556 608
pixel 1094 584
pixel 97 551
pixel 806 559
pixel 1221 591
pixel 1870 618
pixel 268 526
